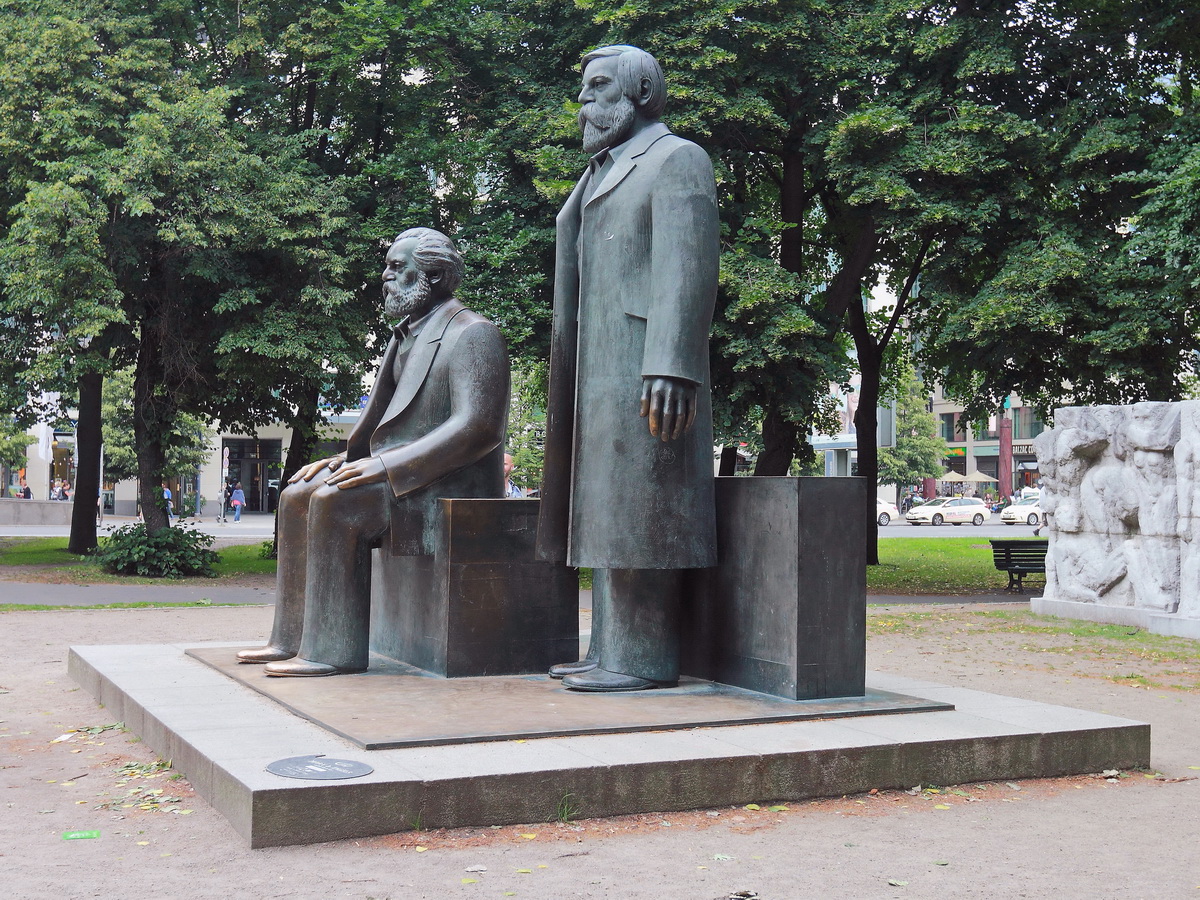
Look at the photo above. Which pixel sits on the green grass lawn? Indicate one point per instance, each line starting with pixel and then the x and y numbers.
pixel 51 553
pixel 907 565
pixel 936 566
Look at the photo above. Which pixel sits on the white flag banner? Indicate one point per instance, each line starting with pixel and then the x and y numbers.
pixel 45 435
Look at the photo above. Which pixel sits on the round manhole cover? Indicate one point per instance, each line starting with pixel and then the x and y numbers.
pixel 319 768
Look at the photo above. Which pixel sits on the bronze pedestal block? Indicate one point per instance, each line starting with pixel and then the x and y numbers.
pixel 784 611
pixel 481 604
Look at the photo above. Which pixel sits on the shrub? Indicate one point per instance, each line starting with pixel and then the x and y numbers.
pixel 172 553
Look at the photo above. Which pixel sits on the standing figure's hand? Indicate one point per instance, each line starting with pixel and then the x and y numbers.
pixel 307 473
pixel 670 404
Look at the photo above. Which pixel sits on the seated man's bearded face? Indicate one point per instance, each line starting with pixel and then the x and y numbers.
pixel 407 290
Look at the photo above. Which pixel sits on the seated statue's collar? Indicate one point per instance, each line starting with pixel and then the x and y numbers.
pixel 406 327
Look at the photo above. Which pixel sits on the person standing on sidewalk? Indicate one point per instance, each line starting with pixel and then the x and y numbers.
pixel 237 500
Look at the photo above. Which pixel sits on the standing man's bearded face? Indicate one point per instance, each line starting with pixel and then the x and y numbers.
pixel 607 115
pixel 407 290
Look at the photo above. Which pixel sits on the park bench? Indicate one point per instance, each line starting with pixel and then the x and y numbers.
pixel 1019 558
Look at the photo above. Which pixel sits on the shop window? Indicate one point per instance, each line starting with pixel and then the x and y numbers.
pixel 1026 424
pixel 987 430
pixel 952 427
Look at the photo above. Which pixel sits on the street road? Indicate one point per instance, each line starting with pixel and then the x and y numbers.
pixel 992 529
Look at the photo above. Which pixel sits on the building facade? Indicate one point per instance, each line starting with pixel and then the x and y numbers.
pixel 975 446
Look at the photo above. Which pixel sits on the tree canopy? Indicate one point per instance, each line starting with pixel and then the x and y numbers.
pixel 200 191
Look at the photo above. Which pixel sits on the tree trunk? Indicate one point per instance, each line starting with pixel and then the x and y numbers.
pixel 792 203
pixel 306 434
pixel 151 417
pixel 780 441
pixel 866 427
pixel 88 440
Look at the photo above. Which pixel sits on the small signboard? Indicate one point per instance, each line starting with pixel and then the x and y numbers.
pixel 319 768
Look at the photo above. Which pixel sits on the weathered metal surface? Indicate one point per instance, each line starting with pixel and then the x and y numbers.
pixel 316 767
pixel 393 705
pixel 784 611
pixel 481 605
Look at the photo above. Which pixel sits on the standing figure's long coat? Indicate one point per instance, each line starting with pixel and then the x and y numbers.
pixel 635 282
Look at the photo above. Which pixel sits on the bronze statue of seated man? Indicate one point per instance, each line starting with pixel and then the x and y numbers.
pixel 432 427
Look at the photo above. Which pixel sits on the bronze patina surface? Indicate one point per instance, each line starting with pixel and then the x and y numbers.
pixel 394 705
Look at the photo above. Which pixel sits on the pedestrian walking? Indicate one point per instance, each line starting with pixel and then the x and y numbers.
pixel 238 500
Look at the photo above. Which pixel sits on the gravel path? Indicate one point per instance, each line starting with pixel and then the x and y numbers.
pixel 1129 837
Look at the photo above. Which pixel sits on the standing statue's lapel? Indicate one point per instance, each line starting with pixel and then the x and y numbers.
pixel 420 358
pixel 634 148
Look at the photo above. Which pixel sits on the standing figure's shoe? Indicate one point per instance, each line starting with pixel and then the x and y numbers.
pixel 578 667
pixel 266 654
pixel 600 681
pixel 306 668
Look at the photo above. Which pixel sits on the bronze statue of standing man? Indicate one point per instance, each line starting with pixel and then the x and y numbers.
pixel 628 486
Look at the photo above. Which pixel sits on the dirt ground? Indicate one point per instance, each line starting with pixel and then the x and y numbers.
pixel 1128 835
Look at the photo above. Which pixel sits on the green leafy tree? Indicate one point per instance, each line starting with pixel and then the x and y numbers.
pixel 1057 299
pixel 14 450
pixel 945 147
pixel 527 424
pixel 919 449
pixel 189 448
pixel 154 220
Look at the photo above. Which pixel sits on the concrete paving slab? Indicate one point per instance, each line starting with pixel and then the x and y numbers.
pixel 503 782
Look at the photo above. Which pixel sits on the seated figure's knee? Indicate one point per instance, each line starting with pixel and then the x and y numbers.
pixel 343 508
pixel 294 498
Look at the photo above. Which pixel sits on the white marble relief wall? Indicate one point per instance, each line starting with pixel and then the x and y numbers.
pixel 1121 491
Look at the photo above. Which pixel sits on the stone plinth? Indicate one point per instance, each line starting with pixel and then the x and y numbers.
pixel 784 612
pixel 35 513
pixel 481 604
pixel 222 735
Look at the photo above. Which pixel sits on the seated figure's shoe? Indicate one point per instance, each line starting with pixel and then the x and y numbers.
pixel 266 654
pixel 572 668
pixel 306 668
pixel 600 681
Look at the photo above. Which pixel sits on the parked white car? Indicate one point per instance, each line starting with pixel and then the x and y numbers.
pixel 885 512
pixel 954 510
pixel 1028 511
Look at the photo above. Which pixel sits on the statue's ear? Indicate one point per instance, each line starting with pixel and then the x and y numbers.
pixel 645 88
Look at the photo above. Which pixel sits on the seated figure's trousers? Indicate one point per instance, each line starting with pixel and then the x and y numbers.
pixel 323 584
